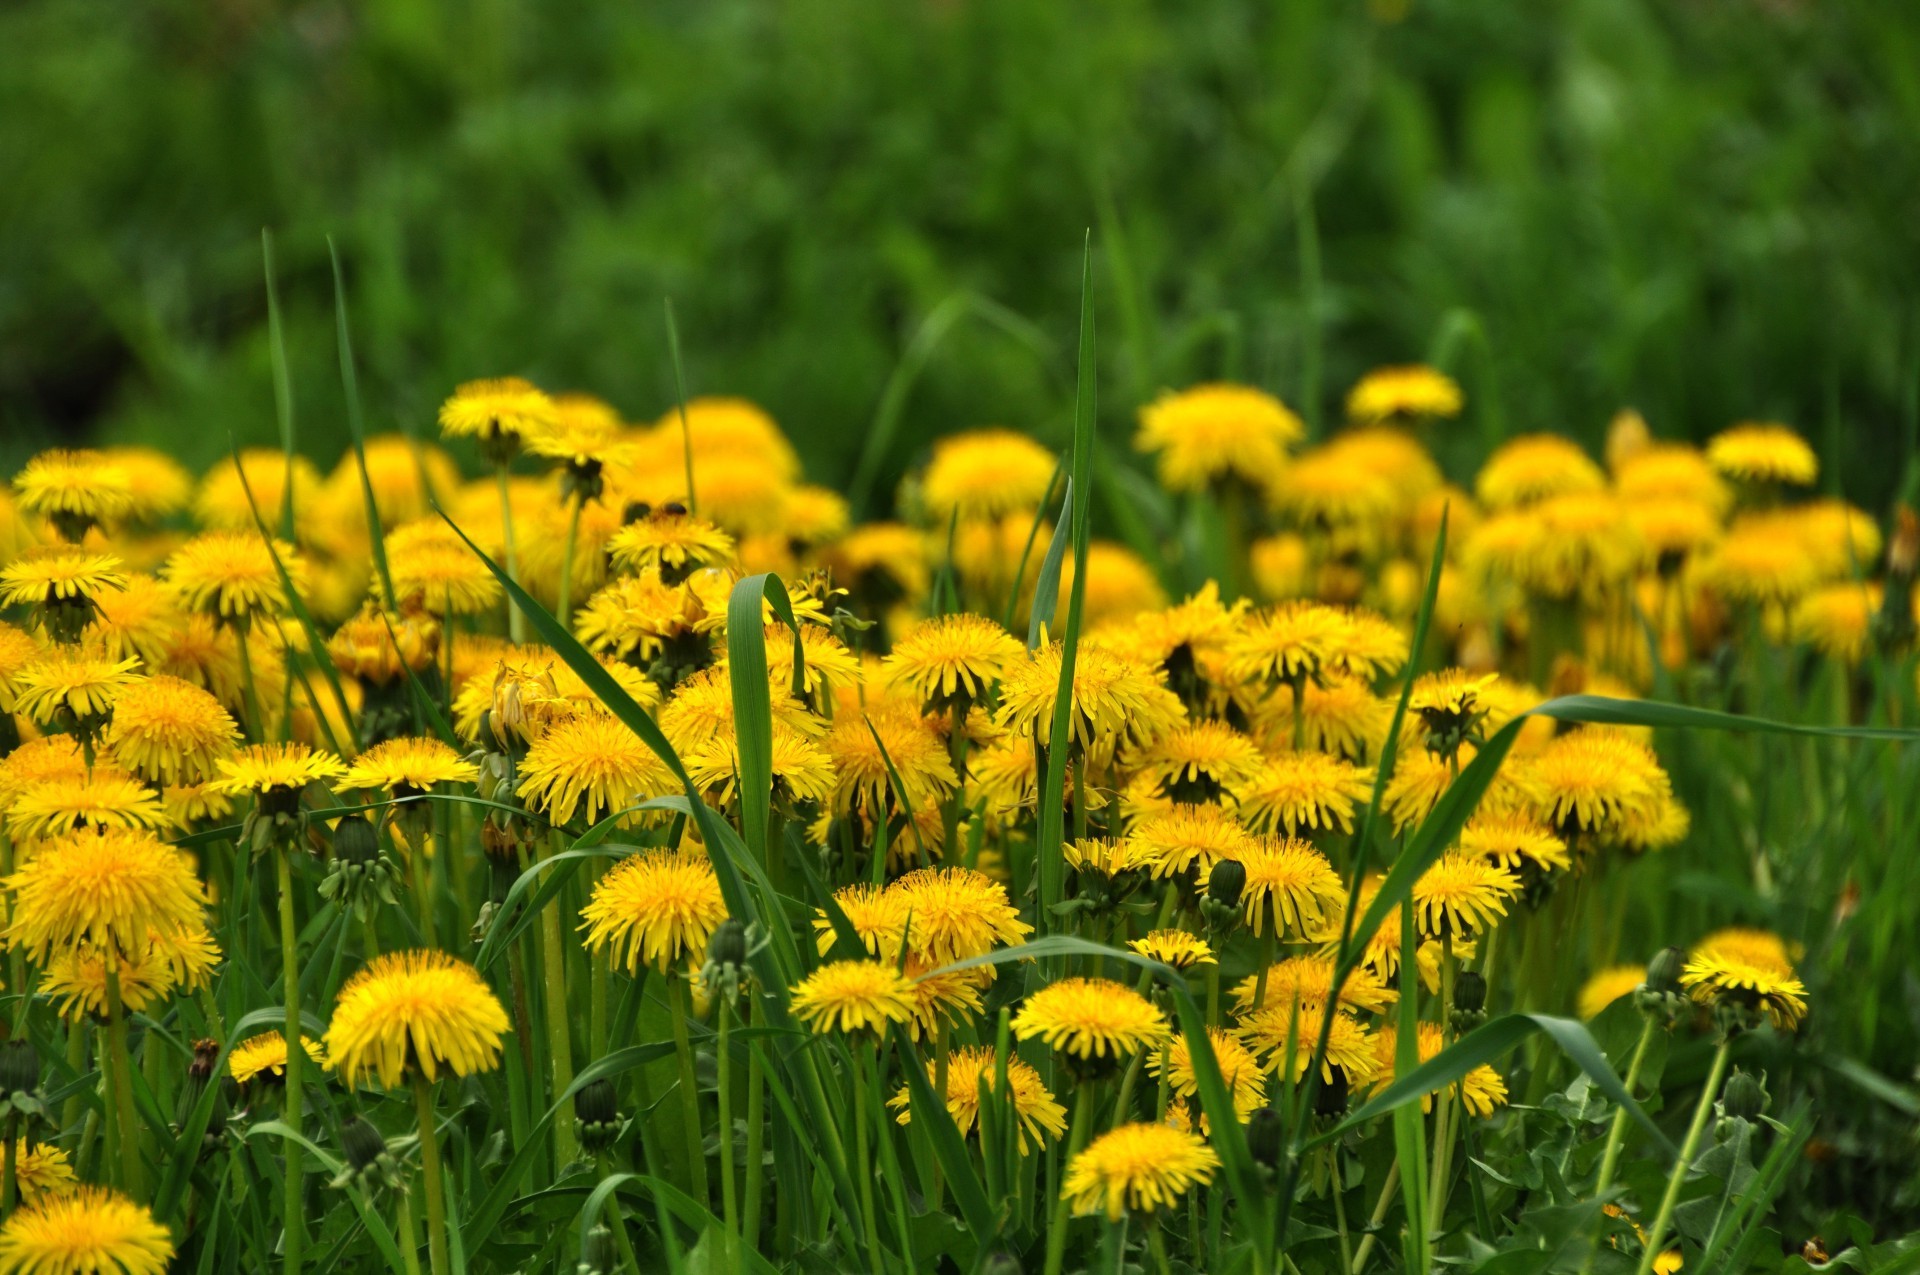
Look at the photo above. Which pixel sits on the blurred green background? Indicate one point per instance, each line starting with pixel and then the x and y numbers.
pixel 1705 208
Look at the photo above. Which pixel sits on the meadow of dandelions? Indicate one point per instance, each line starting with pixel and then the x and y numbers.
pixel 978 898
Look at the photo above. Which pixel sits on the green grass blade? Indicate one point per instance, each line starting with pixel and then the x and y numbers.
pixel 1046 588
pixel 753 698
pixel 893 399
pixel 948 1146
pixel 1026 550
pixel 1601 710
pixel 356 423
pixel 680 392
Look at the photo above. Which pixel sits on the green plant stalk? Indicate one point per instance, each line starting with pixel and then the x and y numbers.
pixel 729 1202
pixel 1157 1245
pixel 863 1159
pixel 756 1132
pixel 1083 1104
pixel 409 1233
pixel 1114 1246
pixel 564 611
pixel 77 1064
pixel 123 1119
pixel 256 724
pixel 1657 1233
pixel 295 1239
pixel 680 1009
pixel 599 995
pixel 1616 1135
pixel 8 1183
pixel 516 623
pixel 1380 1207
pixel 553 957
pixel 422 885
pixel 1443 1130
pixel 1123 1105
pixel 430 1172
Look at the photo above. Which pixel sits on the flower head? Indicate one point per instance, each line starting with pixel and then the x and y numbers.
pixel 1461 895
pixel 1481 1090
pixel 1608 986
pixel 1113 700
pixel 170 730
pixel 954 914
pixel 380 649
pixel 74 490
pixel 1196 761
pixel 64 585
pixel 671 542
pixel 1211 432
pixel 952 658
pixel 1414 392
pixel 1290 885
pixel 1238 1067
pixel 1091 1018
pixel 1760 986
pixel 972 1067
pixel 1308 980
pixel 102 797
pixel 658 908
pixel 1532 467
pixel 266 1055
pixel 1349 1048
pixel 1177 948
pixel 231 575
pixel 419 1009
pixel 985 473
pixel 72 681
pixel 260 769
pixel 1139 1167
pixel 41 1170
pixel 409 765
pixel 1600 783
pixel 1763 452
pixel 1285 643
pixel 1185 838
pixel 109 889
pixel 1515 841
pixel 863 745
pixel 435 571
pixel 591 763
pixel 853 996
pixel 1298 793
pixel 87 1229
pixel 76 978
pixel 501 410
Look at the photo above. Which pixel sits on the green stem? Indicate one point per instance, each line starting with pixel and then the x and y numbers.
pixel 409 1234
pixel 564 612
pixel 1443 1105
pixel 553 958
pixel 430 1172
pixel 295 1239
pixel 1380 1207
pixel 516 623
pixel 1122 1108
pixel 1616 1135
pixel 8 1183
pixel 122 1119
pixel 599 997
pixel 863 1159
pixel 756 1131
pixel 256 724
pixel 1083 1104
pixel 729 1204
pixel 680 1011
pixel 1657 1233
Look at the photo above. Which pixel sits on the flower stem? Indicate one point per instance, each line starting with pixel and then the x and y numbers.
pixel 729 1202
pixel 256 724
pixel 295 1239
pixel 863 1159
pixel 680 1011
pixel 1380 1208
pixel 553 957
pixel 1657 1233
pixel 1083 1104
pixel 564 612
pixel 409 1234
pixel 122 1119
pixel 756 1131
pixel 1443 1129
pixel 430 1172
pixel 1616 1136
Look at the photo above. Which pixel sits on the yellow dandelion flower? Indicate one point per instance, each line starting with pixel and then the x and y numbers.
pixel 1762 987
pixel 656 908
pixel 170 731
pixel 266 1056
pixel 38 760
pixel 1598 783
pixel 1672 473
pixel 1533 467
pixel 380 650
pixel 157 484
pixel 190 804
pixel 584 433
pixel 1369 646
pixel 41 1170
pixel 972 1067
pixel 827 664
pixel 72 682
pixel 108 889
pixel 1142 1168
pixel 883 563
pixel 261 769
pixel 1177 948
pixel 1238 1067
pixel 1341 716
pixel 1091 1018
pixel 493 411
pixel 951 659
pixel 231 576
pixel 137 620
pixel 408 766
pixel 1421 778
pixel 635 617
pixel 1380 951
pixel 434 571
pixel 701 710
pixel 1410 393
pixel 1289 884
pixel 1481 1090
pixel 1763 452
pixel 419 1009
pixel 1670 532
pixel 1188 838
pixel 1608 986
pixel 670 541
pixel 1461 895
pixel 101 798
pixel 1108 858
pixel 1308 980
pixel 1449 702
pixel 1324 489
pixel 984 474
pixel 861 745
pixel 1211 432
pixel 954 914
pixel 726 427
pixel 853 996
pixel 221 502
pixel 1285 642
pixel 591 763
pixel 1303 792
pixel 1761 561
pixel 74 490
pixel 52 575
pixel 87 1229
pixel 1113 701
pixel 1754 947
pixel 802 769
pixel 878 915
pixel 76 978
pixel 1350 1049
pixel 1515 841
pixel 18 648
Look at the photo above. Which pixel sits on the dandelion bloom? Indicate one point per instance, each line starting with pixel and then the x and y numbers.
pixel 870 749
pixel 231 575
pixel 266 1055
pixel 262 769
pixel 1409 392
pixel 171 959
pixel 656 908
pixel 1090 1018
pixel 1285 642
pixel 1763 561
pixel 1460 895
pixel 1139 1167
pixel 1108 858
pixel 1290 885
pixel 86 1229
pixel 1369 646
pixel 1597 782
pixel 1481 1090
pixel 1189 838
pixel 1196 760
pixel 1716 978
pixel 170 730
pixel 1300 792
pixel 592 763
pixel 72 680
pixel 853 996
pixel 409 765
pixel 1238 1067
pixel 137 619
pixel 951 658
pixel 670 543
pixel 381 649
pixel 422 1009
pixel 490 410
pixel 1040 1118
pixel 1324 489
pixel 103 797
pixel 74 490
pixel 1763 452
pixel 954 914
pixel 1608 986
pixel 877 914
pixel 41 1170
pixel 1113 700
pixel 222 501
pixel 50 575
pixel 105 889
pixel 1177 948
pixel 1308 980
pixel 434 570
pixel 1350 1049
pixel 1515 841
pixel 1533 467
pixel 986 473
pixel 1212 432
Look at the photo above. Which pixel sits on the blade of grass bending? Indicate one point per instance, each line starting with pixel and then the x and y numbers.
pixel 684 1206
pixel 1052 832
pixel 316 645
pixel 1602 710
pixel 948 1146
pixel 356 423
pixel 846 939
pixel 1026 550
pixel 753 698
pixel 375 1225
pixel 1409 1128
pixel 282 380
pixel 546 878
pixel 1046 586
pixel 1482 1046
pixel 680 391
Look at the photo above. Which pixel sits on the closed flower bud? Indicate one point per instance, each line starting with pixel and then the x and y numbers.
pixel 1663 971
pixel 355 840
pixel 597 1114
pixel 368 1161
pixel 1226 881
pixel 1469 993
pixel 1745 1096
pixel 1001 1263
pixel 19 1066
pixel 596 1252
pixel 1266 1135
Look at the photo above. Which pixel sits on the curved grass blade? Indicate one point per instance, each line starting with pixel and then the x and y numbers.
pixel 356 422
pixel 566 865
pixel 1026 550
pixel 948 1146
pixel 684 1206
pixel 753 698
pixel 680 390
pixel 370 1218
pixel 1602 710
pixel 1046 587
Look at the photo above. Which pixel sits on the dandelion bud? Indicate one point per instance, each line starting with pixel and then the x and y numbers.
pixel 728 946
pixel 199 1074
pixel 355 841
pixel 1266 1136
pixel 1226 881
pixel 1627 437
pixel 597 1115
pixel 20 1079
pixel 367 1159
pixel 596 1253
pixel 1001 1263
pixel 1745 1096
pixel 1663 971
pixel 1469 1002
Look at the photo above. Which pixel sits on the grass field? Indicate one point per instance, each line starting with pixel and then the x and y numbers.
pixel 1083 669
